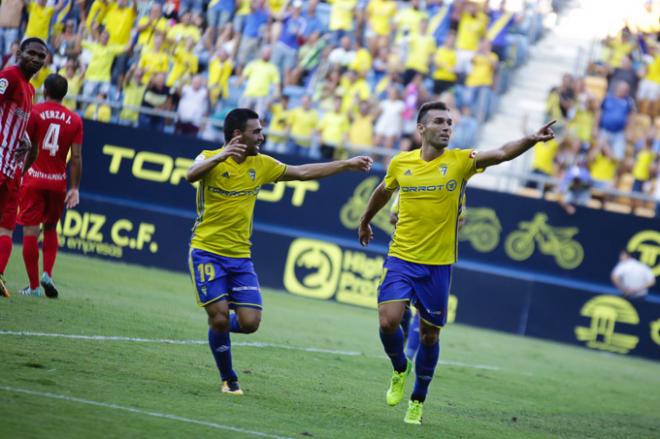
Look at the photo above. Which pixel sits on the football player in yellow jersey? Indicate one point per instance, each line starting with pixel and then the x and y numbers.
pixel 431 182
pixel 229 180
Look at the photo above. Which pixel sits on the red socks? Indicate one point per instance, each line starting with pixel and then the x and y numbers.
pixel 49 248
pixel 31 259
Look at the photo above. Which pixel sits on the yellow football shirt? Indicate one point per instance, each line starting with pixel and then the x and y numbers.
pixel 603 168
pixel 341 14
pixel 361 132
pixel 219 74
pixel 100 65
pixel 379 15
pixel 642 168
pixel 334 127
pixel 470 31
pixel 483 70
pixel 445 64
pixel 153 62
pixel 544 156
pixel 261 75
pixel 96 14
pixel 119 23
pixel 429 204
pixel 420 49
pixel 185 64
pixel 38 24
pixel 303 122
pixel 225 203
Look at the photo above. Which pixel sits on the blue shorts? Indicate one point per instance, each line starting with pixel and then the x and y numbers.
pixel 221 278
pixel 425 286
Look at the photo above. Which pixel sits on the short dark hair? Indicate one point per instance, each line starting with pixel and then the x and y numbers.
pixel 31 40
pixel 56 86
pixel 435 105
pixel 237 119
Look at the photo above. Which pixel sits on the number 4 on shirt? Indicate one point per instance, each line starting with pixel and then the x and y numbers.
pixel 51 139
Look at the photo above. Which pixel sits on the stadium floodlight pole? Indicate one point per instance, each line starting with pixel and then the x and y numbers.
pixel 431 183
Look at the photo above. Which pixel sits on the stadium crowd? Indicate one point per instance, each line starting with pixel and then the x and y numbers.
pixel 608 121
pixel 323 75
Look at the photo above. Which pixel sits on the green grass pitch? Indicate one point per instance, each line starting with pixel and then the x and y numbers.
pixel 488 385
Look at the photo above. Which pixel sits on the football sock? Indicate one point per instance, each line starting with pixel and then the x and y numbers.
pixel 220 345
pixel 427 358
pixel 393 344
pixel 31 259
pixel 234 326
pixel 5 251
pixel 49 248
pixel 413 338
pixel 405 323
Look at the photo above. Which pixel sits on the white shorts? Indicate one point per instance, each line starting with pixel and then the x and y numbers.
pixel 648 90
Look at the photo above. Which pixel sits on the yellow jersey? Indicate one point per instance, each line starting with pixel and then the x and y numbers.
pixel 361 132
pixel 341 14
pixel 38 24
pixel 429 204
pixel 544 156
pixel 219 74
pixel 100 64
pixel 420 49
pixel 261 76
pixel 119 23
pixel 96 14
pixel 643 163
pixel 603 169
pixel 483 70
pixel 379 16
pixel 470 31
pixel 334 128
pixel 225 203
pixel 303 122
pixel 445 64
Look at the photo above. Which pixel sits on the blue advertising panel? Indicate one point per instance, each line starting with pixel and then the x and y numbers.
pixel 516 233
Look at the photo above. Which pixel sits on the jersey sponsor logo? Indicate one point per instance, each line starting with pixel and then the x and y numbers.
pixel 605 312
pixel 4 84
pixel 247 193
pixel 450 186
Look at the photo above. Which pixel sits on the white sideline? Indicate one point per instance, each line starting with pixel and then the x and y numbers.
pixel 203 342
pixel 141 412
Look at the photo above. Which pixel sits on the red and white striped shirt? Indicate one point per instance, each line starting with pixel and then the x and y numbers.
pixel 16 95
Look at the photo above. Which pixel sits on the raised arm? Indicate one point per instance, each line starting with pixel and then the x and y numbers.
pixel 511 150
pixel 200 167
pixel 377 201
pixel 313 171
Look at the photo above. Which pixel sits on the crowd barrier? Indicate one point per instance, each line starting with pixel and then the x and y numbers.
pixel 526 267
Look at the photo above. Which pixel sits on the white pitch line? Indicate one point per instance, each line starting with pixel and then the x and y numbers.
pixel 257 344
pixel 141 412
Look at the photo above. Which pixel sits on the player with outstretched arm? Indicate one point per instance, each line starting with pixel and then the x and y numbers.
pixel 219 259
pixel 417 270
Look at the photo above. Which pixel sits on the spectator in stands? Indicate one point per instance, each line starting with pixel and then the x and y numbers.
pixel 603 167
pixel 408 19
pixel 501 23
pixel 155 59
pixel 302 123
pixel 420 49
pixel 285 52
pixel 219 72
pixel 98 73
pixel 471 29
pixel 133 94
pixel 66 45
pixel 218 14
pixel 479 82
pixel 344 54
pixel 99 110
pixel 157 97
pixel 253 32
pixel 361 132
pixel 262 81
pixel 643 168
pixel 9 58
pixel 624 73
pixel 312 23
pixel 575 188
pixel 149 25
pixel 464 132
pixel 309 58
pixel 341 19
pixel 632 277
pixel 184 65
pixel 119 21
pixel 277 129
pixel 616 109
pixel 193 106
pixel 379 15
pixel 74 78
pixel 10 21
pixel 649 87
pixel 444 75
pixel 39 18
pixel 389 122
pixel 96 14
pixel 333 128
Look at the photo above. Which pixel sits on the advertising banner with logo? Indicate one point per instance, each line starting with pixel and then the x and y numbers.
pixel 516 233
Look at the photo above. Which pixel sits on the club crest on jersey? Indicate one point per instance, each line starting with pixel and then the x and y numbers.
pixel 443 169
pixel 3 86
pixel 473 153
pixel 252 173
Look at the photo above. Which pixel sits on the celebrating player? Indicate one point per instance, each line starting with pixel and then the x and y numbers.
pixel 43 195
pixel 220 265
pixel 16 95
pixel 417 270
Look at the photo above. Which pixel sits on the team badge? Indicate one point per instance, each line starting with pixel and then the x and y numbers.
pixel 3 86
pixel 473 153
pixel 443 169
pixel 252 173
